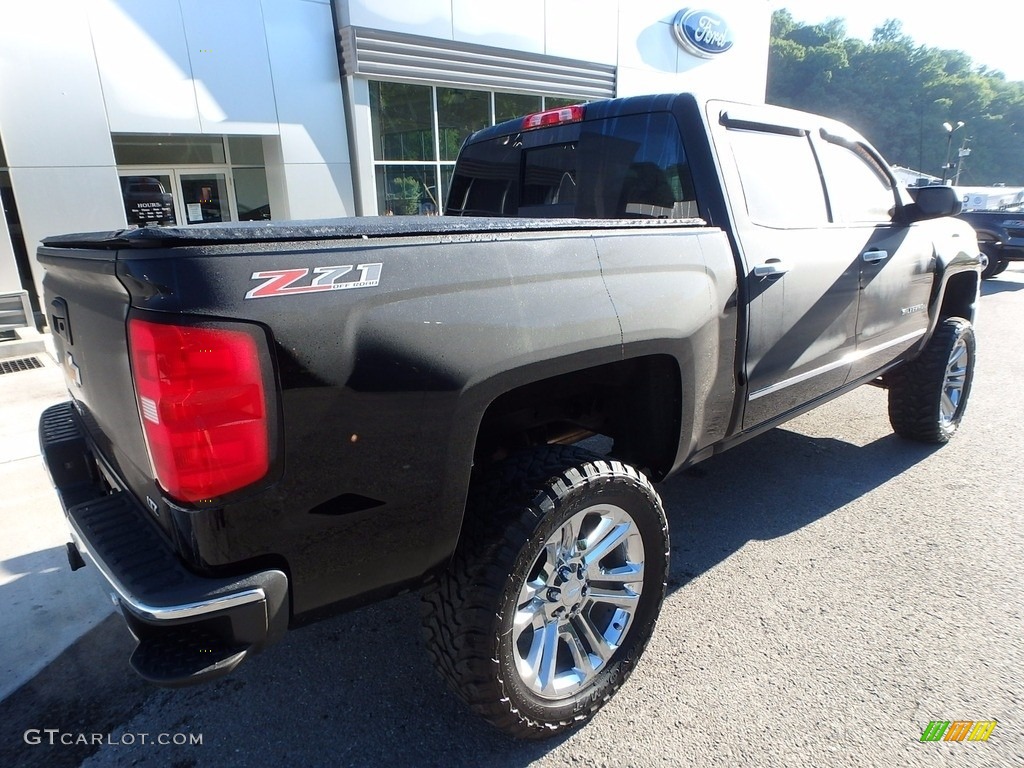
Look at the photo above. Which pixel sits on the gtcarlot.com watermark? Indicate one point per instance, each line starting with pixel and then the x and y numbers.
pixel 56 737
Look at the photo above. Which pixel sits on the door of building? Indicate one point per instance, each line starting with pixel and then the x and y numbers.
pixel 205 197
pixel 175 196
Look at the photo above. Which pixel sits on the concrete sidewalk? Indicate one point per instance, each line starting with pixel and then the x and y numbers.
pixel 44 607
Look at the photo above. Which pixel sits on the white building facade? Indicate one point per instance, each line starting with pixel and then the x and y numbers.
pixel 118 113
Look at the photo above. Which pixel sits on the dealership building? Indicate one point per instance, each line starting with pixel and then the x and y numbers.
pixel 117 113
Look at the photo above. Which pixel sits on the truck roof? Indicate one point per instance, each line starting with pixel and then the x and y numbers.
pixel 596 110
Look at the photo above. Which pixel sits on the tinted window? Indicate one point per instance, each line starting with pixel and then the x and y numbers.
pixel 780 178
pixel 859 190
pixel 624 167
pixel 550 180
pixel 485 182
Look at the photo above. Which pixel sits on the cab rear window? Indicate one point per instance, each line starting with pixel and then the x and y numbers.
pixel 632 166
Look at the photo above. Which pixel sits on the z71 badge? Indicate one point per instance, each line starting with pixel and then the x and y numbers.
pixel 286 282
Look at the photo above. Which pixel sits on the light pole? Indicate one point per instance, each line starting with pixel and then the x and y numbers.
pixel 961 154
pixel 949 140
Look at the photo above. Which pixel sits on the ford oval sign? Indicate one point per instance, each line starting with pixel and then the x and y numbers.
pixel 702 33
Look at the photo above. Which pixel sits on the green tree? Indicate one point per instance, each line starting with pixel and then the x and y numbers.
pixel 898 94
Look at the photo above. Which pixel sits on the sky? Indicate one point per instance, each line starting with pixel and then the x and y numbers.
pixel 989 31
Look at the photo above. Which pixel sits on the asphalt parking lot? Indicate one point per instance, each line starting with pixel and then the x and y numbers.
pixel 833 590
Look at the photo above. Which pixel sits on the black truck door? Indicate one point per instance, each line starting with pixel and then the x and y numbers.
pixel 896 260
pixel 801 282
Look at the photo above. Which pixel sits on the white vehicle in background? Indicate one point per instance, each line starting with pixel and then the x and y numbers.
pixel 990 198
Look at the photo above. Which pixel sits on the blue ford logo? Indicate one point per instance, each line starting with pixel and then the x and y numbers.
pixel 702 33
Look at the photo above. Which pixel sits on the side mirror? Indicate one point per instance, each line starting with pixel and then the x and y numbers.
pixel 933 202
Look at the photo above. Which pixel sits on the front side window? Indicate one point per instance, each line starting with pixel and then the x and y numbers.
pixel 859 190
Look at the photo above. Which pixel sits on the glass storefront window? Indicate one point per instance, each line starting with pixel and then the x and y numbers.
pixel 148 199
pixel 21 258
pixel 403 124
pixel 418 131
pixel 204 196
pixel 179 180
pixel 459 113
pixel 246 150
pixel 447 171
pixel 408 190
pixel 509 105
pixel 554 102
pixel 251 194
pixel 130 149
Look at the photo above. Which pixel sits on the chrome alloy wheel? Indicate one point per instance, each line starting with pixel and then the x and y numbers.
pixel 954 382
pixel 578 601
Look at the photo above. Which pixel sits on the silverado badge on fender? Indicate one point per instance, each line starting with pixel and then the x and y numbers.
pixel 282 282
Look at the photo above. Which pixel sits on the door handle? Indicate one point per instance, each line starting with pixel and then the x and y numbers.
pixel 772 268
pixel 874 256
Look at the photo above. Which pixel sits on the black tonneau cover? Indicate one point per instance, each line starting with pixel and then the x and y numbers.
pixel 337 229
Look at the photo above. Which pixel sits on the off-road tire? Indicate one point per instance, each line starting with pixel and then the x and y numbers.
pixel 515 510
pixel 928 395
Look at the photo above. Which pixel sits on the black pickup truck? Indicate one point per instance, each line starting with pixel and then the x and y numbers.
pixel 1000 237
pixel 274 420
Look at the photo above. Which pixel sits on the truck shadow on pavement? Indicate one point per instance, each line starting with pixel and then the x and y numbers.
pixel 992 287
pixel 358 689
pixel 769 487
pixel 1011 280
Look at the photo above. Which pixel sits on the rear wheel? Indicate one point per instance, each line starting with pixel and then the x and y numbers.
pixel 928 395
pixel 553 592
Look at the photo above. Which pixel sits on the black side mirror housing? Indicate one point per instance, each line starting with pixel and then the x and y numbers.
pixel 933 202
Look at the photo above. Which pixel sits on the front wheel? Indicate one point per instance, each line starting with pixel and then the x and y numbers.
pixel 996 265
pixel 928 395
pixel 553 592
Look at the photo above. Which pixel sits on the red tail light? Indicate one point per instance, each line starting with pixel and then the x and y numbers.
pixel 203 407
pixel 554 117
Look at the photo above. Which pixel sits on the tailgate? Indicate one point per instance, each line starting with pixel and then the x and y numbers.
pixel 86 308
pixel 190 626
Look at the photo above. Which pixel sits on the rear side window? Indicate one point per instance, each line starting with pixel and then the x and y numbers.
pixel 780 177
pixel 486 179
pixel 633 166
